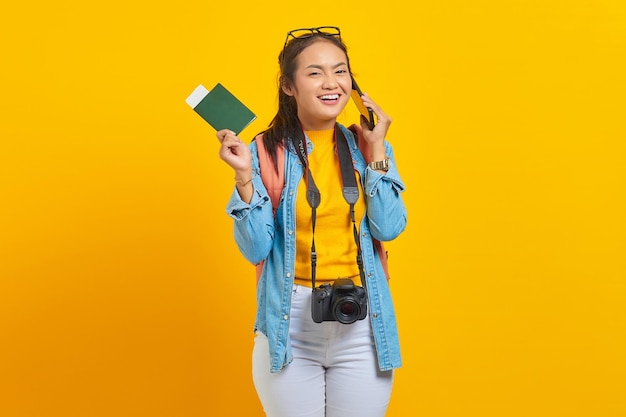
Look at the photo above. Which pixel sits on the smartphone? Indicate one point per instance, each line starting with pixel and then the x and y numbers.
pixel 365 111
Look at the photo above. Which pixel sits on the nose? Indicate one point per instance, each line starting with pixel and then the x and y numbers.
pixel 330 82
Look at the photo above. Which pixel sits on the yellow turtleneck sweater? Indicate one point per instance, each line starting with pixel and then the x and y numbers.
pixel 334 237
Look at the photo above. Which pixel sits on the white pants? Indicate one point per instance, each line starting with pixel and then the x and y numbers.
pixel 334 372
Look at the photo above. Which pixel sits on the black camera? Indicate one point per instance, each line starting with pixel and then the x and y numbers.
pixel 342 301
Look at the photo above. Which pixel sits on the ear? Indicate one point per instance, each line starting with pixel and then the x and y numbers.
pixel 285 85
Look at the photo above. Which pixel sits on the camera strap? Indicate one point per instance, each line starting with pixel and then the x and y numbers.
pixel 350 192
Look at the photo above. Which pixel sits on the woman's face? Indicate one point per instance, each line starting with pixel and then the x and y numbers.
pixel 322 85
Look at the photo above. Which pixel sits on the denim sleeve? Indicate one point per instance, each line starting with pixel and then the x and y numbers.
pixel 254 221
pixel 386 211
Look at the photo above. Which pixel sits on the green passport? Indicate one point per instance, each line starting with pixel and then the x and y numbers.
pixel 220 108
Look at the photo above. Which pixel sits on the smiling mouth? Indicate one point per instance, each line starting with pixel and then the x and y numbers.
pixel 329 97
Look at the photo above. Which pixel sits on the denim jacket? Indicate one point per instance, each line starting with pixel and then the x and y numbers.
pixel 261 236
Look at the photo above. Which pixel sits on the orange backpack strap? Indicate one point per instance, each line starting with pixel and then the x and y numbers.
pixel 273 181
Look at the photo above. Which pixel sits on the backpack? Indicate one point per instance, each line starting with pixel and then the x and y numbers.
pixel 275 182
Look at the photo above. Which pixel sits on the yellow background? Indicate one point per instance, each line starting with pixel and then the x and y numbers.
pixel 123 294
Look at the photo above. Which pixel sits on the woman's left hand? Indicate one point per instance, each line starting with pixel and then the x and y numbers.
pixel 375 137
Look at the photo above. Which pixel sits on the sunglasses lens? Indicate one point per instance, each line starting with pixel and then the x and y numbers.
pixel 300 33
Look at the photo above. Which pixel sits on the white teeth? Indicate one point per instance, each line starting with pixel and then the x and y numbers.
pixel 330 97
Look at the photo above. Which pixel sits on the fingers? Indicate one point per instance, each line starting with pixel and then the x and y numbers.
pixel 381 116
pixel 379 133
pixel 231 145
pixel 224 133
pixel 229 141
pixel 233 150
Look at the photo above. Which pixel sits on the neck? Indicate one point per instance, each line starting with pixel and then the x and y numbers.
pixel 317 124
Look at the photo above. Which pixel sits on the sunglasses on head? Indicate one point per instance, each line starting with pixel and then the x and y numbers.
pixel 301 33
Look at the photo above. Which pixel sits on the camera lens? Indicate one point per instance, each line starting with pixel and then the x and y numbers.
pixel 347 311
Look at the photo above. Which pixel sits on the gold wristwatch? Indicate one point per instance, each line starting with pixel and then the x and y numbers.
pixel 380 165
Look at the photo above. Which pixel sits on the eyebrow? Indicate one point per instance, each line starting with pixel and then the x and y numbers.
pixel 322 67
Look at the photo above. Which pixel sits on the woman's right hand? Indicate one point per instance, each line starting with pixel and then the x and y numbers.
pixel 235 153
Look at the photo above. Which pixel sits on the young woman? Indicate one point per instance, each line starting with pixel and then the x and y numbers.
pixel 334 358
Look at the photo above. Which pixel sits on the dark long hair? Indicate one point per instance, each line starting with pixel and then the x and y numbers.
pixel 286 123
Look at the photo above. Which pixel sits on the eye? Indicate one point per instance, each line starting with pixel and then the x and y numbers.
pixel 341 71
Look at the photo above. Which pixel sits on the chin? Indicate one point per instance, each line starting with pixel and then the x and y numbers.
pixel 334 114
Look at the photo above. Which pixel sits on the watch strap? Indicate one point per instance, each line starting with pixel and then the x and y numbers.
pixel 380 165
